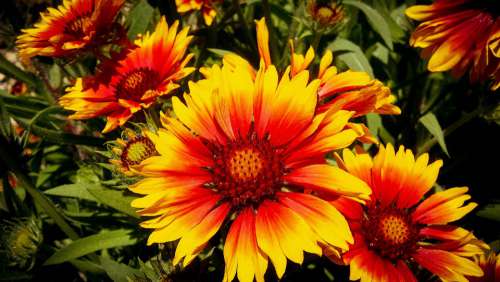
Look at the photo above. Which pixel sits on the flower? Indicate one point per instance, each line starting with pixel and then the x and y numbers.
pixel 325 12
pixel 350 90
pixel 21 239
pixel 459 35
pixel 134 82
pixel 131 150
pixel 396 228
pixel 242 151
pixel 206 6
pixel 74 26
pixel 490 264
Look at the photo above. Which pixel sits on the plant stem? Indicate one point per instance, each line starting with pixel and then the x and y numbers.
pixel 38 197
pixel 244 24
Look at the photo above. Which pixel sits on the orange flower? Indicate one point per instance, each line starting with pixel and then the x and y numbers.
pixel 241 152
pixel 135 81
pixel 396 228
pixel 326 13
pixel 74 26
pixel 490 264
pixel 350 90
pixel 459 35
pixel 206 7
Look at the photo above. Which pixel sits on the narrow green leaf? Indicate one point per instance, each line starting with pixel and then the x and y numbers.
pixel 87 266
pixel 119 272
pixel 491 211
pixel 219 52
pixel 12 70
pixel 351 54
pixel 77 190
pixel 432 124
pixel 114 198
pixel 376 20
pixel 90 244
pixel 139 19
pixel 374 122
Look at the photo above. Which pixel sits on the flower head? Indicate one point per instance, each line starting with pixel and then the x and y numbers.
pixel 135 81
pixel 458 36
pixel 130 150
pixel 21 239
pixel 397 227
pixel 74 26
pixel 206 7
pixel 325 12
pixel 243 149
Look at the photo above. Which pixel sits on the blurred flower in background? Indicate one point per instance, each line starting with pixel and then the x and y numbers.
pixel 326 12
pixel 490 264
pixel 72 27
pixel 206 7
pixel 461 36
pixel 20 239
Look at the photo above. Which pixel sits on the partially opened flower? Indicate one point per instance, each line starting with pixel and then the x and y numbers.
pixel 206 7
pixel 459 35
pixel 399 227
pixel 326 12
pixel 242 150
pixel 74 26
pixel 134 82
pixel 490 264
pixel 130 150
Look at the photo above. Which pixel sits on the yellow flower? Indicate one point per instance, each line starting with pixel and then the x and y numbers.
pixel 243 149
pixel 206 7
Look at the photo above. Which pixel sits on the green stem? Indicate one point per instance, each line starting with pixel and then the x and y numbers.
pixel 316 39
pixel 244 24
pixel 37 196
pixel 450 129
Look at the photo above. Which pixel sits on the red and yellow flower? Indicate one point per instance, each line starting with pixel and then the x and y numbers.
pixel 134 82
pixel 397 227
pixel 459 35
pixel 74 26
pixel 350 90
pixel 490 264
pixel 241 152
pixel 130 150
pixel 206 7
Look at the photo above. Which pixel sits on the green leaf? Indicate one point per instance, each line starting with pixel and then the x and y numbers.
pixel 140 18
pixel 12 70
pixel 374 122
pixel 491 211
pixel 90 244
pixel 432 124
pixel 72 190
pixel 86 266
pixel 114 198
pixel 219 52
pixel 376 20
pixel 351 54
pixel 119 272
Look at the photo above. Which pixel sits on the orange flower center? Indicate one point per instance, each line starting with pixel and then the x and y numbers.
pixel 245 164
pixel 137 150
pixel 79 26
pixel 135 84
pixel 390 231
pixel 247 171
